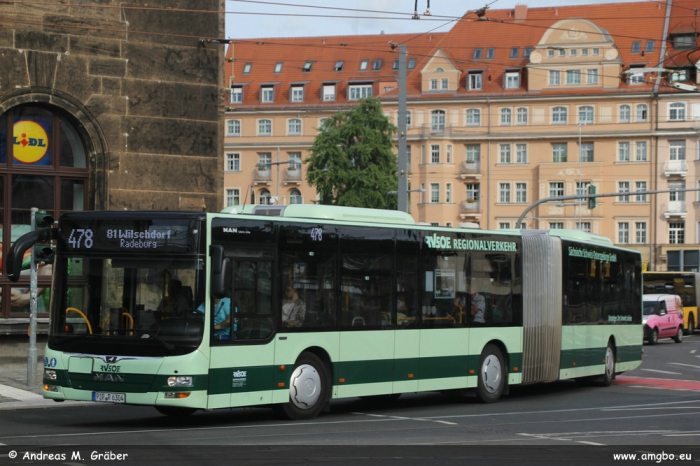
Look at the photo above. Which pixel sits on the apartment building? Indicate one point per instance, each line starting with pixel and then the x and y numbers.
pixel 502 111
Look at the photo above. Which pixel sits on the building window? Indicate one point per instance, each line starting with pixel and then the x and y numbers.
pixel 267 94
pixel 641 151
pixel 295 197
pixel 264 127
pixel 297 93
pixel 328 92
pixel 521 153
pixel 562 53
pixel 581 189
pixel 376 65
pixel 233 162
pixel 637 76
pixel 322 123
pixel 505 153
pixel 444 84
pixel 233 127
pixel 409 118
pixel 473 153
pixel 514 52
pixel 676 233
pixel 265 197
pixel 623 187
pixel 677 150
pixel 623 152
pixel 504 196
pixel 437 120
pixel 623 232
pixel 475 81
pixel 339 65
pixel 395 66
pixel 506 115
pixel 573 52
pixel 585 115
pixel 411 63
pixel 472 192
pixel 294 160
pixel 294 127
pixel 636 46
pixel 559 115
pixel 556 225
pixel 264 160
pixel 477 54
pixel 642 112
pixel 676 194
pixel 595 52
pixel 573 77
pixel 684 41
pixel 434 193
pixel 550 53
pixel 521 116
pixel 435 153
pixel 640 187
pixel 448 193
pixel 583 226
pixel 359 91
pixel 554 77
pixel 363 65
pixel 592 76
pixel 247 67
pixel 521 193
pixel 490 53
pixel 504 225
pixel 233 197
pixel 449 154
pixel 584 52
pixel 278 67
pixel 433 84
pixel 556 189
pixel 585 152
pixel 625 112
pixel 559 152
pixel 527 51
pixel 650 46
pixel 512 80
pixel 640 232
pixel 676 111
pixel 473 117
pixel 235 95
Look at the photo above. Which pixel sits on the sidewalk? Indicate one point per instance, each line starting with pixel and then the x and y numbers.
pixel 14 392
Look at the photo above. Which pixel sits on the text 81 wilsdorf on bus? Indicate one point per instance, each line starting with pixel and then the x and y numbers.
pixel 292 306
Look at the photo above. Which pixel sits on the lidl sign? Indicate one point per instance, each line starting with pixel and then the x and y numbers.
pixel 31 143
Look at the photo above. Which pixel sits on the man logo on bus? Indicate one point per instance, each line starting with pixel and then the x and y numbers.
pixel 30 141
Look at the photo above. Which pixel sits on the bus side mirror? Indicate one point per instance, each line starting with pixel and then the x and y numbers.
pixel 13 260
pixel 220 271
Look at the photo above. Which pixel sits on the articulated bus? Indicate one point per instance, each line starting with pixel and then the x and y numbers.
pixel 188 311
pixel 683 284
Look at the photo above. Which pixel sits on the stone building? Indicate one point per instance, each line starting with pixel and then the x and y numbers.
pixel 503 110
pixel 106 105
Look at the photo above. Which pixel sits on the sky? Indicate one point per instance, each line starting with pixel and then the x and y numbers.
pixel 247 19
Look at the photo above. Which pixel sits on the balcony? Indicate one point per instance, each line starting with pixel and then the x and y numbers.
pixel 292 176
pixel 674 209
pixel 470 210
pixel 262 176
pixel 437 128
pixel 676 168
pixel 470 170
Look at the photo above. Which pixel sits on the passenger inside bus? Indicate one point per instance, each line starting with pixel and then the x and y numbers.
pixel 293 308
pixel 478 307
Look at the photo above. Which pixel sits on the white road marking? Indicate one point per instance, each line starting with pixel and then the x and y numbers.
pixel 684 365
pixel 683 435
pixel 402 418
pixel 17 394
pixel 662 372
pixel 693 351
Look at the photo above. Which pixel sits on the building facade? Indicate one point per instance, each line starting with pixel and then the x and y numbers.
pixel 502 111
pixel 105 105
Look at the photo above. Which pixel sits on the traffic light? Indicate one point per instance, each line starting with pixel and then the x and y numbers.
pixel 42 249
pixel 592 201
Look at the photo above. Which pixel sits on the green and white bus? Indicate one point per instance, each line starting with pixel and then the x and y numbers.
pixel 382 306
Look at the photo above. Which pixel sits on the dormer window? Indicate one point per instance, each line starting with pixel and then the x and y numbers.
pixel 328 92
pixel 511 80
pixel 376 65
pixel 475 81
pixel 679 76
pixel 278 67
pixel 490 53
pixel 307 66
pixel 636 76
pixel 527 52
pixel 411 63
pixel 267 94
pixel 395 66
pixel 650 46
pixel 235 95
pixel 514 52
pixel 363 65
pixel 247 67
pixel 477 54
pixel 684 41
pixel 339 65
pixel 636 46
pixel 297 94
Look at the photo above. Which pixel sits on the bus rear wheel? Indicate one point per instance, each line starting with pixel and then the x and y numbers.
pixel 491 376
pixel 309 389
pixel 172 411
pixel 609 375
pixel 691 325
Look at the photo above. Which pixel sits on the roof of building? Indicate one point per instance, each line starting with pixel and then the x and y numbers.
pixel 626 34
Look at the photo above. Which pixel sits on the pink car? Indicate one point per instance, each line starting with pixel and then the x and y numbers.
pixel 663 317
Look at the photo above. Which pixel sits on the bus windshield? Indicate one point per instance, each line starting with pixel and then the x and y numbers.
pixel 121 305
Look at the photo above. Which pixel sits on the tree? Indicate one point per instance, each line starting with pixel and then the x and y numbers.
pixel 352 161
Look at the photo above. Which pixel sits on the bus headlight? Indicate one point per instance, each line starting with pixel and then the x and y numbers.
pixel 180 381
pixel 49 374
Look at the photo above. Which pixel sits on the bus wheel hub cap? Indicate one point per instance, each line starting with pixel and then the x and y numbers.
pixel 305 386
pixel 491 373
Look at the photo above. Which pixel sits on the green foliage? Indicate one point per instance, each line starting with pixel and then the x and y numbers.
pixel 352 161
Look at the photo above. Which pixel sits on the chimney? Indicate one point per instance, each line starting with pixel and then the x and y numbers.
pixel 520 12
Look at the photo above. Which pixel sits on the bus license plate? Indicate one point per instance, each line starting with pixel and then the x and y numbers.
pixel 109 397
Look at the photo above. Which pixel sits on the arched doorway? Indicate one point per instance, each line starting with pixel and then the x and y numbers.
pixel 43 164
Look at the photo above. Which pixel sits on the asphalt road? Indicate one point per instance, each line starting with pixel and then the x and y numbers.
pixel 655 407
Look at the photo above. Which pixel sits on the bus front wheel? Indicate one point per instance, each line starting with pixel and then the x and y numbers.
pixel 491 377
pixel 309 389
pixel 691 325
pixel 609 374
